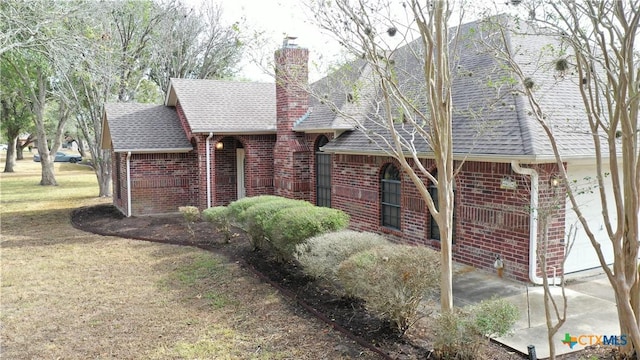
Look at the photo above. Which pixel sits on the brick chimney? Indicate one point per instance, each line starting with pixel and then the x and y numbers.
pixel 291 152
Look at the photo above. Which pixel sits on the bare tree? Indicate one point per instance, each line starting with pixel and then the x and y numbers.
pixel 597 52
pixel 412 112
pixel 25 24
pixel 194 43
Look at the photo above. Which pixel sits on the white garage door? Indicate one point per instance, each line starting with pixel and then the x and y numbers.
pixel 583 256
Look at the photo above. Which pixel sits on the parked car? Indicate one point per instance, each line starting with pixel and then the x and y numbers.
pixel 61 157
pixel 4 147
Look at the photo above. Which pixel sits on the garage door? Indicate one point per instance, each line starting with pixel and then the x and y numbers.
pixel 582 256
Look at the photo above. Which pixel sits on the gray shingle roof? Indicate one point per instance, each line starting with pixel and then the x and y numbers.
pixel 489 120
pixel 225 106
pixel 332 89
pixel 144 128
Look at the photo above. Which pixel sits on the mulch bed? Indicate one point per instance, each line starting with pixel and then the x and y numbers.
pixel 346 315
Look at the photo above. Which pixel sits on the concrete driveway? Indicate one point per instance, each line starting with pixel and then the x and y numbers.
pixel 591 308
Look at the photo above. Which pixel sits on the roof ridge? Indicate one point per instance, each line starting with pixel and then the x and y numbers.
pixel 526 132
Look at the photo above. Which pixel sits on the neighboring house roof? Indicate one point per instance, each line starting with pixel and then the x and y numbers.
pixel 488 120
pixel 143 128
pixel 225 106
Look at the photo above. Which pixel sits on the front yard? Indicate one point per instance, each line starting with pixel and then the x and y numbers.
pixel 69 294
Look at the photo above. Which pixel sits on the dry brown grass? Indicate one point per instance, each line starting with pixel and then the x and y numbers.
pixel 73 295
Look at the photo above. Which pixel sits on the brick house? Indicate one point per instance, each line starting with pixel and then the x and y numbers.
pixel 213 142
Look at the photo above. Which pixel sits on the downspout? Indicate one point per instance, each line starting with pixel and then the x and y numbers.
pixel 208 146
pixel 129 184
pixel 533 220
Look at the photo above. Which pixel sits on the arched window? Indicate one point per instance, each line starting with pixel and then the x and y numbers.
pixel 323 174
pixel 390 204
pixel 434 232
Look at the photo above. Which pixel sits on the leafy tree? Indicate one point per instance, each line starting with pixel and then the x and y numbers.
pixel 15 111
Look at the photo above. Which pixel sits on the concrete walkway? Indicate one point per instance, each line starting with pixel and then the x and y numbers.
pixel 591 308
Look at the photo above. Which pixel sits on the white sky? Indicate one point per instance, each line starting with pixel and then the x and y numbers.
pixel 280 18
pixel 277 19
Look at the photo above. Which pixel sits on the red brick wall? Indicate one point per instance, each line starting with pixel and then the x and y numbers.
pixel 490 221
pixel 291 152
pixel 119 167
pixel 258 167
pixel 160 183
pixel 183 120
pixel 259 164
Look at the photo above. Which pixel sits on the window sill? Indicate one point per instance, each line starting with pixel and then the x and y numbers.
pixel 392 231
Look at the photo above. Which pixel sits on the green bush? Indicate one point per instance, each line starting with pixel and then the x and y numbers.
pixel 257 217
pixel 219 217
pixel 393 280
pixel 321 255
pixel 237 208
pixel 459 334
pixel 494 317
pixel 293 226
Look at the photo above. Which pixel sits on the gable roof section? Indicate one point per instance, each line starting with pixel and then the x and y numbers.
pixel 332 89
pixel 489 121
pixel 225 106
pixel 143 128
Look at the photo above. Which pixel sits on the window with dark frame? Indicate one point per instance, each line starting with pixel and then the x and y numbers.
pixel 323 174
pixel 434 232
pixel 390 185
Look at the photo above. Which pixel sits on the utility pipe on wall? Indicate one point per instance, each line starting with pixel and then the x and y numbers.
pixel 208 147
pixel 128 184
pixel 533 222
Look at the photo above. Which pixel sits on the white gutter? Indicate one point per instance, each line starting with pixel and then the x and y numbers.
pixel 208 146
pixel 129 184
pixel 533 223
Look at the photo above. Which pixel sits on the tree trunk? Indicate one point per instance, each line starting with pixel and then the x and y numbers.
pixel 19 150
pixel 445 203
pixel 48 177
pixel 103 173
pixel 20 147
pixel 10 161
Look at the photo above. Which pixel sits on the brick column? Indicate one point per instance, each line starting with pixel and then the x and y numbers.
pixel 291 151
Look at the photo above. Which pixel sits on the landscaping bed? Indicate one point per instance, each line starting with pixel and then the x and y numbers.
pixel 345 315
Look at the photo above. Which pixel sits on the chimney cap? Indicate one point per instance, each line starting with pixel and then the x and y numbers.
pixel 288 42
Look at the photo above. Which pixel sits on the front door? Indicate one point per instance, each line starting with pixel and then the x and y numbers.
pixel 240 172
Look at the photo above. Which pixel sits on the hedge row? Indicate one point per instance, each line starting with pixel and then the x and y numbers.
pixel 393 280
pixel 279 224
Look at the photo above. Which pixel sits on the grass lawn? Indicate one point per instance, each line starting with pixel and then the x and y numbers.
pixel 73 295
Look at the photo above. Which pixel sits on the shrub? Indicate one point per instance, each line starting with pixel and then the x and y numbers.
pixel 191 214
pixel 331 219
pixel 293 226
pixel 456 337
pixel 392 280
pixel 321 255
pixel 219 217
pixel 257 216
pixel 494 317
pixel 459 333
pixel 238 208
